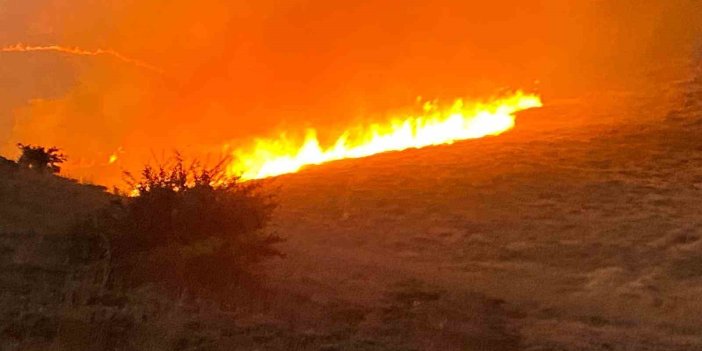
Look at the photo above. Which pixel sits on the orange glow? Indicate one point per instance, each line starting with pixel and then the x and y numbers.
pixel 113 159
pixel 271 157
pixel 81 52
pixel 238 70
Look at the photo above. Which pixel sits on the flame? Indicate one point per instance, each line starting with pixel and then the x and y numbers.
pixel 272 157
pixel 81 52
pixel 114 157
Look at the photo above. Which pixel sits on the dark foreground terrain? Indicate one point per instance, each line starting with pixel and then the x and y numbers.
pixel 580 230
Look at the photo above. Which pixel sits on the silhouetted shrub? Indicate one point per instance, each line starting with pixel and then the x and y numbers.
pixel 40 158
pixel 187 227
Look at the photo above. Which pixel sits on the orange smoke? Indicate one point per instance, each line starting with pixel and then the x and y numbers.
pixel 271 157
pixel 81 52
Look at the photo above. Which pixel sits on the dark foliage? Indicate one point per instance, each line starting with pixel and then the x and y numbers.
pixel 187 227
pixel 40 158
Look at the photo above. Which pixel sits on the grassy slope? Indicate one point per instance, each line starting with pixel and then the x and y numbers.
pixel 43 203
pixel 590 235
pixel 47 304
pixel 562 235
pixel 35 212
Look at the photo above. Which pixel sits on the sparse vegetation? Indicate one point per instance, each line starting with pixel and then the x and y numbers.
pixel 602 263
pixel 40 158
pixel 186 228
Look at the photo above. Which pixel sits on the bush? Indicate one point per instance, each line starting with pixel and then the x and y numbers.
pixel 40 158
pixel 188 227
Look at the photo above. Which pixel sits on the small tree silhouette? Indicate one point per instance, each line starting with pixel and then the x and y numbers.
pixel 40 158
pixel 186 227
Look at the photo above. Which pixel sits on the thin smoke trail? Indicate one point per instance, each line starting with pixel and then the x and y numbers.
pixel 81 52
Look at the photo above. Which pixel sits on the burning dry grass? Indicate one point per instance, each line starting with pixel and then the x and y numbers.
pixel 585 239
pixel 589 234
pixel 434 126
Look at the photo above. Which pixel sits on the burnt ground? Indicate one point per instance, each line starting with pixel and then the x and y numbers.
pixel 579 230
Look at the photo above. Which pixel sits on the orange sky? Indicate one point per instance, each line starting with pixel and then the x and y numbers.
pixel 234 70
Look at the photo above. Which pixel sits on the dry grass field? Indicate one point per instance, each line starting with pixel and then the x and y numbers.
pixel 562 235
pixel 579 230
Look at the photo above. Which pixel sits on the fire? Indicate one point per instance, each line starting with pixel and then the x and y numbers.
pixel 81 52
pixel 435 126
pixel 114 157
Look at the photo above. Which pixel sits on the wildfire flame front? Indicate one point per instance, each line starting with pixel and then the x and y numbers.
pixel 461 121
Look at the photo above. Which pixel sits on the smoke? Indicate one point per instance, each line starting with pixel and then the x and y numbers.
pixel 239 70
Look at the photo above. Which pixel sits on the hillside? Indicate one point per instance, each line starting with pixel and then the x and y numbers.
pixel 36 211
pixel 43 203
pixel 585 237
pixel 579 230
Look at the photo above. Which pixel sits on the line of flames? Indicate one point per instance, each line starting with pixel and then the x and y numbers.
pixel 435 126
